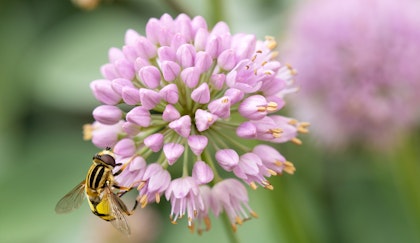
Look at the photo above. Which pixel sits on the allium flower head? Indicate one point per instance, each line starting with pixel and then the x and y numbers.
pixel 359 64
pixel 192 95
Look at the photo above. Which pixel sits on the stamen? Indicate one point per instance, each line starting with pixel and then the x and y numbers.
pixel 254 214
pixel 293 122
pixel 271 42
pixel 267 185
pixel 271 172
pixel 143 201
pixel 263 63
pixel 259 51
pixel 157 198
pixel 274 55
pixel 278 163
pixel 271 106
pixel 234 228
pixel 87 131
pixel 291 69
pixel 190 226
pixel 207 222
pixel 141 185
pixel 253 58
pixel 276 132
pixel 238 220
pixel 296 141
pixel 253 185
pixel 302 129
pixel 289 167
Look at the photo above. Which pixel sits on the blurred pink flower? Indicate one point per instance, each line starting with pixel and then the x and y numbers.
pixel 358 63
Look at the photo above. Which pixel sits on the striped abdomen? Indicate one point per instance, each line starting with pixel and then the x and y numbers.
pixel 97 177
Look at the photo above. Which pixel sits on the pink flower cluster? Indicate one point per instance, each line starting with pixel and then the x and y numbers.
pixel 186 94
pixel 359 63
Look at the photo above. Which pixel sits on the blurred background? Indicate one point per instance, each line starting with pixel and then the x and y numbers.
pixel 357 177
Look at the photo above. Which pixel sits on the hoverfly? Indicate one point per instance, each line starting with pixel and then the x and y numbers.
pixel 98 188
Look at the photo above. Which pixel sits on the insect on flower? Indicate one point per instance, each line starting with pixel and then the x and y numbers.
pixel 99 187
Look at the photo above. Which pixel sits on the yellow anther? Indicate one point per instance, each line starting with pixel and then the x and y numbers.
pixel 274 55
pixel 271 172
pixel 291 69
pixel 141 185
pixel 157 198
pixel 263 63
pixel 276 132
pixel 259 51
pixel 234 228
pixel 289 167
pixel 253 58
pixel 271 42
pixel 296 141
pixel 87 132
pixel 238 220
pixel 143 201
pixel 253 185
pixel 305 124
pixel 225 100
pixel 302 129
pixel 254 214
pixel 293 122
pixel 272 106
pixel 269 187
pixel 207 222
pixel 190 226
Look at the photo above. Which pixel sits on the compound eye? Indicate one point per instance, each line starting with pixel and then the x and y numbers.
pixel 108 159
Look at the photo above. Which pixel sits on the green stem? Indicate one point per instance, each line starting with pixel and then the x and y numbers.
pixel 207 158
pixel 185 162
pixel 216 11
pixel 233 237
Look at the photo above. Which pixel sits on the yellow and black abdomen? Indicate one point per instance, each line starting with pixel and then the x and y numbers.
pixel 102 209
pixel 98 177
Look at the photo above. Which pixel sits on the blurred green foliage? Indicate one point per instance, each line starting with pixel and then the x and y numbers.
pixel 51 50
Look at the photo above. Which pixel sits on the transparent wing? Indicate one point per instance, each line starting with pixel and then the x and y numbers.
pixel 117 209
pixel 71 200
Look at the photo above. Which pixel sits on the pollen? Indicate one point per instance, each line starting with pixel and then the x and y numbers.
pixel 289 167
pixel 271 42
pixel 253 185
pixel 157 198
pixel 143 201
pixel 87 132
pixel 291 69
pixel 296 141
pixel 276 132
pixel 271 172
pixel 238 220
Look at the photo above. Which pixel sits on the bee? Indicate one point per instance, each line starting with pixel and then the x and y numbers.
pixel 99 187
